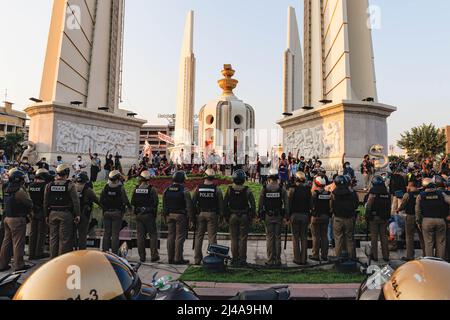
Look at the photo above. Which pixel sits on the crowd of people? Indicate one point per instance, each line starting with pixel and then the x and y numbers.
pixel 297 193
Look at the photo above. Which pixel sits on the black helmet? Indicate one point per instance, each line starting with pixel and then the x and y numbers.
pixel 179 177
pixel 82 177
pixel 377 181
pixel 17 177
pixel 43 174
pixel 439 181
pixel 239 177
pixel 115 175
pixel 340 181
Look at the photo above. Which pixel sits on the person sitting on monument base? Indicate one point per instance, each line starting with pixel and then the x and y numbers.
pixel 208 208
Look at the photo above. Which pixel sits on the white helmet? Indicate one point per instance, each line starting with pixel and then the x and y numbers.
pixel 320 182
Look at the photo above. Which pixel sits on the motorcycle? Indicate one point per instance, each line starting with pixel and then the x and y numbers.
pixel 9 285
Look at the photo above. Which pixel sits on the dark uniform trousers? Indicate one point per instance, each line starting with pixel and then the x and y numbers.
pixel 146 224
pixel 343 229
pixel 177 225
pixel 299 223
pixel 378 229
pixel 319 231
pixel 434 236
pixel 112 222
pixel 38 233
pixel 410 231
pixel 81 231
pixel 206 221
pixel 448 241
pixel 61 232
pixel 239 229
pixel 14 238
pixel 273 234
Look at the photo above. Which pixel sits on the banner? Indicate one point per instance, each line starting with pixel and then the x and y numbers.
pixel 165 138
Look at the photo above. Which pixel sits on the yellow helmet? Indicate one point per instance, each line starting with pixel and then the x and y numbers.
pixel 424 279
pixel 300 176
pixel 11 171
pixel 63 169
pixel 145 175
pixel 210 173
pixel 82 275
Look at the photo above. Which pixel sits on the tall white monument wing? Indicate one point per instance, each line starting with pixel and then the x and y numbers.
pixel 184 125
pixel 293 67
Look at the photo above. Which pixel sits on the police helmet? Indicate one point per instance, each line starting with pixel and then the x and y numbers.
pixel 145 176
pixel 239 177
pixel 428 183
pixel 11 171
pixel 179 177
pixel 424 279
pixel 17 177
pixel 273 174
pixel 82 275
pixel 82 177
pixel 439 181
pixel 320 182
pixel 341 181
pixel 63 170
pixel 43 174
pixel 300 176
pixel 377 181
pixel 210 174
pixel 115 175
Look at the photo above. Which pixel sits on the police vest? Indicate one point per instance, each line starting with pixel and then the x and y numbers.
pixel 344 205
pixel 238 200
pixel 142 197
pixel 322 203
pixel 301 200
pixel 273 202
pixel 207 198
pixel 113 199
pixel 433 205
pixel 382 205
pixel 174 199
pixel 37 190
pixel 411 205
pixel 59 197
pixel 13 208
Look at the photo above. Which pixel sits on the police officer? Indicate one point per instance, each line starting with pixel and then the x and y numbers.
pixel 38 231
pixel 239 212
pixel 408 205
pixel 87 198
pixel 18 207
pixel 145 202
pixel 62 209
pixel 273 207
pixel 344 203
pixel 378 212
pixel 447 199
pixel 208 208
pixel 431 214
pixel 321 213
pixel 300 210
pixel 114 202
pixel 178 209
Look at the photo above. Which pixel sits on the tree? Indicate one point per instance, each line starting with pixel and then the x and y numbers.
pixel 12 144
pixel 424 141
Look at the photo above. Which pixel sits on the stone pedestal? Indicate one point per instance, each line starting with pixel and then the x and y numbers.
pixel 63 130
pixel 330 131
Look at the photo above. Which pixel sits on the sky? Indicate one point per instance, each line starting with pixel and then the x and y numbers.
pixel 411 43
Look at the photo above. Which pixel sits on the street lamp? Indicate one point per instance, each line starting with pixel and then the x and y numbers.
pixel 36 100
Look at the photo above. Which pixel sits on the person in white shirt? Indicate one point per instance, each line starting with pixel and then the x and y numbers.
pixel 79 165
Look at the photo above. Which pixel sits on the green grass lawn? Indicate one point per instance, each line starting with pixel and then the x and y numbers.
pixel 267 276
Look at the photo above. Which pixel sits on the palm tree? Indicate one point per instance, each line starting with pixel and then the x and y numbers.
pixel 424 141
pixel 12 144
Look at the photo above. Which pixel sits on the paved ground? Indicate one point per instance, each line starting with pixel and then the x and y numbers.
pixel 256 255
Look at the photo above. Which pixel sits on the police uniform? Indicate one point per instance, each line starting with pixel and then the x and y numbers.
pixel 177 204
pixel 273 207
pixel 145 202
pixel 321 213
pixel 62 206
pixel 208 204
pixel 114 202
pixel 87 198
pixel 408 205
pixel 344 203
pixel 300 209
pixel 378 212
pixel 431 212
pixel 38 231
pixel 18 206
pixel 240 210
